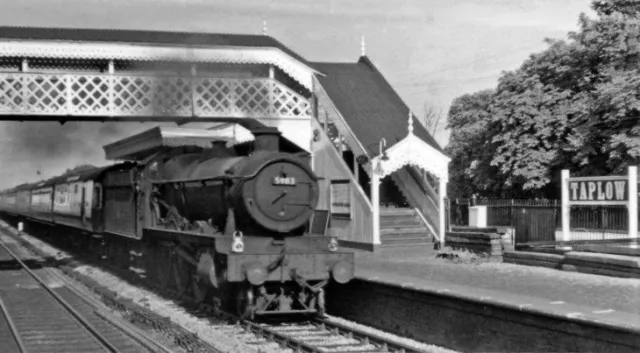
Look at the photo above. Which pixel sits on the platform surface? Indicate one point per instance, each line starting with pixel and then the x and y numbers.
pixel 617 300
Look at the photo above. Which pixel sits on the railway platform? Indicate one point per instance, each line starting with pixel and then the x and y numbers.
pixel 492 306
pixel 610 296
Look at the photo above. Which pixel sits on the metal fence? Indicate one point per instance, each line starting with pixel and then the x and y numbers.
pixel 535 224
pixel 587 223
pixel 457 212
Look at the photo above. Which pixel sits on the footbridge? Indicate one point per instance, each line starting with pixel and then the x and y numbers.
pixel 346 115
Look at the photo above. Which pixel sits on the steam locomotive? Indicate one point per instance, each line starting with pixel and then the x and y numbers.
pixel 234 225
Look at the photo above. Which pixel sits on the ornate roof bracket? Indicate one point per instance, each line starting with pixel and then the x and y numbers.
pixel 412 151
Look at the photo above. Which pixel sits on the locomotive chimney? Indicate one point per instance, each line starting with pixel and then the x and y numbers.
pixel 267 139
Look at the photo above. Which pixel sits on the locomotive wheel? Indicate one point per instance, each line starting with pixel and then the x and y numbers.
pixel 95 248
pixel 199 285
pixel 109 251
pixel 148 259
pixel 200 289
pixel 245 308
pixel 183 275
pixel 164 266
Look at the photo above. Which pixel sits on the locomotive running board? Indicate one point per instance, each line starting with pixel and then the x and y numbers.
pixel 286 312
pixel 170 234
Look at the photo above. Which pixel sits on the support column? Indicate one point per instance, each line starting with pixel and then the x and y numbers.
pixel 111 93
pixel 375 205
pixel 272 83
pixel 442 193
pixel 633 202
pixel 564 181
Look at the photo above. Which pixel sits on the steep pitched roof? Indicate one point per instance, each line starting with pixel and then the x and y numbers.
pixel 369 104
pixel 145 37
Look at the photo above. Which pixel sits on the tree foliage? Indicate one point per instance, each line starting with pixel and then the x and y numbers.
pixel 468 120
pixel 575 105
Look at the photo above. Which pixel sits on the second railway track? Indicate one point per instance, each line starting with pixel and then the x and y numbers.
pixel 40 314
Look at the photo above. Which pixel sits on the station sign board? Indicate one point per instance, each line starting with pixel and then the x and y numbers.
pixel 608 190
pixel 601 190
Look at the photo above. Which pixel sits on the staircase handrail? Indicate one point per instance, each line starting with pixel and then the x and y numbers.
pixel 427 224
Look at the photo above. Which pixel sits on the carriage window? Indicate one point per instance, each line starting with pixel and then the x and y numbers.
pixel 76 189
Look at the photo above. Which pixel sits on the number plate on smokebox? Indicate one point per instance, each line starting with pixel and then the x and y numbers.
pixel 284 181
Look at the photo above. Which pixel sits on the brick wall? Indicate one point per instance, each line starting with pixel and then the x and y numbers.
pixel 470 326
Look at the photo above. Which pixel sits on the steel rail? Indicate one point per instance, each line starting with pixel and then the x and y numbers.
pixel 63 302
pixel 12 326
pixel 130 331
pixel 386 344
pixel 137 336
pixel 272 334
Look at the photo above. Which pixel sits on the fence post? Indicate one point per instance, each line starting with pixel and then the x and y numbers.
pixel 633 202
pixel 511 214
pixel 447 207
pixel 442 193
pixel 564 177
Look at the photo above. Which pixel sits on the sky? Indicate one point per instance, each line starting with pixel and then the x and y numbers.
pixel 431 51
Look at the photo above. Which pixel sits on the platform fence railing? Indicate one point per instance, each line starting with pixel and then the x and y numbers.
pixel 604 223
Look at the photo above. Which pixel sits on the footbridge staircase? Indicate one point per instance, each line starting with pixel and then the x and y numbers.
pixel 395 161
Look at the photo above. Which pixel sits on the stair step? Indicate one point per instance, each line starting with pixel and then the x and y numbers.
pixel 404 230
pixel 408 241
pixel 405 235
pixel 399 220
pixel 394 212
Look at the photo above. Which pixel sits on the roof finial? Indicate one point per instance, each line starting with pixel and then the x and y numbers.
pixel 362 47
pixel 264 27
pixel 410 122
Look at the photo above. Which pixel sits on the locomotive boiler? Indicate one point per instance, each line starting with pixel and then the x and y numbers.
pixel 233 225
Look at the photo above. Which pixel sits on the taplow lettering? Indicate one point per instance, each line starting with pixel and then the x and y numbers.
pixel 600 190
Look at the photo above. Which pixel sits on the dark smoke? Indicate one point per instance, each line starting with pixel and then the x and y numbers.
pixel 51 148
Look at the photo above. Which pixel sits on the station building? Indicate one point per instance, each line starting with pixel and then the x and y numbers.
pixel 383 175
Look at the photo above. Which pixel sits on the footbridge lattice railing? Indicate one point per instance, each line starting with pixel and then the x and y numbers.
pixel 118 95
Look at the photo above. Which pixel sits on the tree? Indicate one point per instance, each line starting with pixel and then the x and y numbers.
pixel 575 105
pixel 467 120
pixel 433 118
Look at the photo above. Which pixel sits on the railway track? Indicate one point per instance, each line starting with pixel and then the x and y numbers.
pixel 321 336
pixel 39 314
pixel 301 335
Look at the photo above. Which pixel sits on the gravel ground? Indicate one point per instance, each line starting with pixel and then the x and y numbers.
pixel 604 292
pixel 47 279
pixel 220 335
